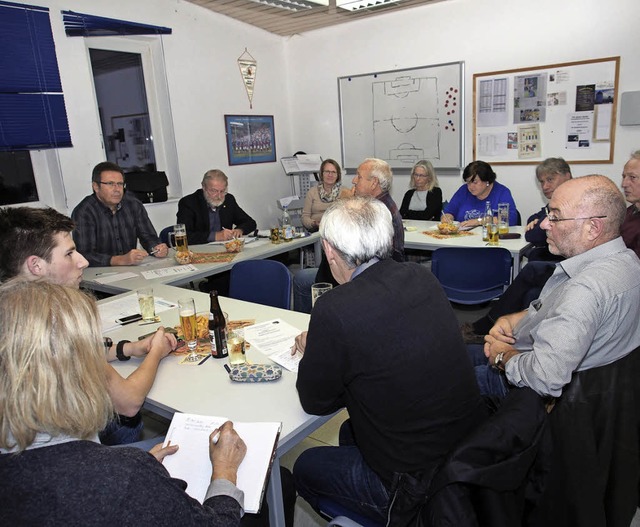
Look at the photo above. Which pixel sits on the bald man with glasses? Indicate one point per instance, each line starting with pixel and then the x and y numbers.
pixel 587 313
pixel 109 222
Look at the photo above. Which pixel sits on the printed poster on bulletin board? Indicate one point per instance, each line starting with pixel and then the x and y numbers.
pixel 528 114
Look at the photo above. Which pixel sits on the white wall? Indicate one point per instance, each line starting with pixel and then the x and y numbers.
pixel 204 84
pixel 297 80
pixel 488 35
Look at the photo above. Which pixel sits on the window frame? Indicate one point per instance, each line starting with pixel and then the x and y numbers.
pixel 151 52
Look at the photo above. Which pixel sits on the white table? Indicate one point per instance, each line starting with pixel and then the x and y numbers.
pixel 259 249
pixel 415 239
pixel 207 389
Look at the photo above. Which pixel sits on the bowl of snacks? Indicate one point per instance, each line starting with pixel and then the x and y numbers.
pixel 451 227
pixel 234 246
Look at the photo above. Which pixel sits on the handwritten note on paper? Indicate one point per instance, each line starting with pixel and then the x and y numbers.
pixel 191 462
pixel 168 271
pixel 275 338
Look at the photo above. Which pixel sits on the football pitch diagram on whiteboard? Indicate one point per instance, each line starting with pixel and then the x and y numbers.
pixel 403 116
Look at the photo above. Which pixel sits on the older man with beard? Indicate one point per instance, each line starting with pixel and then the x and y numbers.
pixel 211 214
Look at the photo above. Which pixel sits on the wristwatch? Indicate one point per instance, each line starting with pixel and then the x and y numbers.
pixel 119 350
pixel 498 362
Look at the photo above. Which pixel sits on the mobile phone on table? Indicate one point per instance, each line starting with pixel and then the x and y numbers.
pixel 129 319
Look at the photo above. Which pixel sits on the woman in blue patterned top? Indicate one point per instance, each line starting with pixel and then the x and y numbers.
pixel 468 203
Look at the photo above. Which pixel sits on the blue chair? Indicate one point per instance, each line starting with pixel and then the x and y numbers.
pixel 164 234
pixel 472 275
pixel 265 282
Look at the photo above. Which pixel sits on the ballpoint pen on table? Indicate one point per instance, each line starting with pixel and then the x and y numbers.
pixel 204 360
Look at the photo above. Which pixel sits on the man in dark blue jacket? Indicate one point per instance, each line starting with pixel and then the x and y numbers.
pixel 211 213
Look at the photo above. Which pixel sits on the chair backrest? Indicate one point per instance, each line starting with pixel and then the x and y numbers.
pixel 472 275
pixel 164 234
pixel 265 282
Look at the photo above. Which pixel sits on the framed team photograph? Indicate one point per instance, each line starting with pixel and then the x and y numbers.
pixel 250 139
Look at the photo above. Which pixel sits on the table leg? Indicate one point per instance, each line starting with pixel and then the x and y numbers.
pixel 274 496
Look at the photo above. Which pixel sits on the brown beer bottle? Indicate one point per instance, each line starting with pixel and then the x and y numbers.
pixel 217 329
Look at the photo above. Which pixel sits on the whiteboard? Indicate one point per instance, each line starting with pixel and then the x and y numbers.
pixel 559 110
pixel 403 116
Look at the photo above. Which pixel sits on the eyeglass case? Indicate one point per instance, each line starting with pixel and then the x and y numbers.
pixel 255 372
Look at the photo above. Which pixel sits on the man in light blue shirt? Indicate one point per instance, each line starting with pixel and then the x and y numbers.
pixel 587 313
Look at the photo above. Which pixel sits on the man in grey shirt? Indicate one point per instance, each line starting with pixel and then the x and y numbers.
pixel 587 313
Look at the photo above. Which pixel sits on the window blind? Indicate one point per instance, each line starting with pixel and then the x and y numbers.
pixel 82 25
pixel 32 109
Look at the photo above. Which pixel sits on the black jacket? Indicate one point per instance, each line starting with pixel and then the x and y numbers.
pixel 433 210
pixel 595 466
pixel 193 211
pixel 491 478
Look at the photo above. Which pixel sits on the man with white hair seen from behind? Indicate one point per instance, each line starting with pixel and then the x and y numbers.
pixel 375 346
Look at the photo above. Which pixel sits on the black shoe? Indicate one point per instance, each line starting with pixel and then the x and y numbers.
pixel 469 336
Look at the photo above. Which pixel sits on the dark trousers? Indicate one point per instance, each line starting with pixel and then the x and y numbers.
pixel 523 290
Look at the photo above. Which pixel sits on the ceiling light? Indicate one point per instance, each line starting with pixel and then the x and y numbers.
pixel 291 5
pixel 357 5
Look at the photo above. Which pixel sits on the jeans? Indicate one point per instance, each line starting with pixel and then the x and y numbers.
pixel 523 290
pixel 341 475
pixel 302 282
pixel 122 430
pixel 491 381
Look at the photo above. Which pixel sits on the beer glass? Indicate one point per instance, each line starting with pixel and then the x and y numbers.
pixel 187 309
pixel 319 289
pixel 147 304
pixel 493 231
pixel 275 235
pixel 503 218
pixel 235 345
pixel 178 241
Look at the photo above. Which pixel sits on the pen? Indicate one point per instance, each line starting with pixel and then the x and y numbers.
pixel 216 438
pixel 154 251
pixel 204 360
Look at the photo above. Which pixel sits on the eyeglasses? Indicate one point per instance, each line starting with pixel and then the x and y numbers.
pixel 112 184
pixel 554 219
pixel 329 172
pixel 215 192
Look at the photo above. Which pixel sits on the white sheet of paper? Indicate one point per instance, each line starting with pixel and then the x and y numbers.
pixel 191 462
pixel 115 277
pixel 169 271
pixel 274 339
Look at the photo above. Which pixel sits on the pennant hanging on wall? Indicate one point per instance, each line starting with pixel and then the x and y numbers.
pixel 248 68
